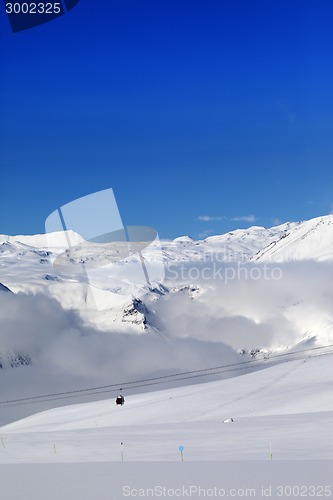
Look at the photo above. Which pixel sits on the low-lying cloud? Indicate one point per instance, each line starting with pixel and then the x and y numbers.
pixel 258 308
pixel 68 355
pixel 199 324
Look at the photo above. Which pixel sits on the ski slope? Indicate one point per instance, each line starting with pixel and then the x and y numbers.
pixel 288 407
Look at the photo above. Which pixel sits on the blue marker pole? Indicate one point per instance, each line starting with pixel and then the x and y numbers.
pixel 181 449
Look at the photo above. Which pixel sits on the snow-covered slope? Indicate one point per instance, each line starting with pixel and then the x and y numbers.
pixel 309 240
pixel 289 405
pixel 50 240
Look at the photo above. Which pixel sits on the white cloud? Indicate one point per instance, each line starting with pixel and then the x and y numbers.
pixel 208 218
pixel 251 313
pixel 245 218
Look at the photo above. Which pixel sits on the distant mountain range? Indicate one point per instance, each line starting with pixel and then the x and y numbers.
pixel 26 265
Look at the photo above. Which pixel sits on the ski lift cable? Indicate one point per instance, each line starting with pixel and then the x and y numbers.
pixel 251 361
pixel 149 384
pixel 162 379
pixel 109 386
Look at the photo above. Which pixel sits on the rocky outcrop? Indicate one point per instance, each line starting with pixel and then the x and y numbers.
pixel 14 360
pixel 136 313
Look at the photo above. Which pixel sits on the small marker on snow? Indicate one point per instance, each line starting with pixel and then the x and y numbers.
pixel 122 452
pixel 181 449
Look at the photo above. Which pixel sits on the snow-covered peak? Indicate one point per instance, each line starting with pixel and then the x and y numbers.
pixel 183 239
pixel 56 239
pixel 309 240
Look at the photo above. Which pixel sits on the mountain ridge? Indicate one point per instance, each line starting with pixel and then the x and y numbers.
pixel 138 307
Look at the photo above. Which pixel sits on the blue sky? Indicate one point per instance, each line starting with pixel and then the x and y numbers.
pixel 202 115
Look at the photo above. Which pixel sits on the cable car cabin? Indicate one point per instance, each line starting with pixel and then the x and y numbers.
pixel 120 400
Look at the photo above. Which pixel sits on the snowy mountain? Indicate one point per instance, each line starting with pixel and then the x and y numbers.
pixel 309 240
pixel 77 317
pixel 34 264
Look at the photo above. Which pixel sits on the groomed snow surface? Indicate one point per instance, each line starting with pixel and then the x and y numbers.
pixel 286 409
pixel 264 434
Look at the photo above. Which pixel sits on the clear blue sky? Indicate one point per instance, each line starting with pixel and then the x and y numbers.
pixel 186 108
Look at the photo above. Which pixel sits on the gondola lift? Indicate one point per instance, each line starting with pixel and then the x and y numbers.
pixel 120 400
